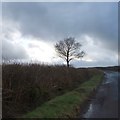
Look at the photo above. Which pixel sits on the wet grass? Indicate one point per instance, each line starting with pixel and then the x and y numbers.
pixel 68 104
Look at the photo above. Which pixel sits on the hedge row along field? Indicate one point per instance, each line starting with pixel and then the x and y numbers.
pixel 27 86
pixel 69 104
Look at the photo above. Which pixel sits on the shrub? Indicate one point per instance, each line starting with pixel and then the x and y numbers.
pixel 26 86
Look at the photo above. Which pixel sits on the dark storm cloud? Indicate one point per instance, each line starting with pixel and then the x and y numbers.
pixel 59 20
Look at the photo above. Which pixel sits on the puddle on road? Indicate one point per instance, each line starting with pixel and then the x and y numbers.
pixel 94 107
pixel 89 112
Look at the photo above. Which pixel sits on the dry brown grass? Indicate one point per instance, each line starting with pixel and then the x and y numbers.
pixel 27 86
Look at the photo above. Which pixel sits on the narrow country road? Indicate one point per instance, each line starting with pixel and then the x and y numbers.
pixel 0 92
pixel 105 102
pixel 0 103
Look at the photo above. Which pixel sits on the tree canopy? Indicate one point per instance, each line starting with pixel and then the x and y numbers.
pixel 69 49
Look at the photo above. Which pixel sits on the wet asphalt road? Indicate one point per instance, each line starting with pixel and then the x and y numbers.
pixel 105 103
pixel 0 103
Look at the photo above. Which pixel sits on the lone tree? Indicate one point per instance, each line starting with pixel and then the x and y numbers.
pixel 69 49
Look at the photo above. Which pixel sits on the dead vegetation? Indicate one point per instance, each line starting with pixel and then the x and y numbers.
pixel 26 86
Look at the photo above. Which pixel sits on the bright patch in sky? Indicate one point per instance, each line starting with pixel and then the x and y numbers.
pixel 40 51
pixel 37 50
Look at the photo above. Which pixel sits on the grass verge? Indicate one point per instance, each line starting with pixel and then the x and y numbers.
pixel 67 105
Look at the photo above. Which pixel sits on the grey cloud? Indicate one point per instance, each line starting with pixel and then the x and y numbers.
pixel 60 0
pixel 58 20
pixel 30 16
pixel 31 45
pixel 0 32
pixel 54 21
pixel 103 63
pixel 11 51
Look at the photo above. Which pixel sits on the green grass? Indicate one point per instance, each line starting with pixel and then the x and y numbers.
pixel 65 105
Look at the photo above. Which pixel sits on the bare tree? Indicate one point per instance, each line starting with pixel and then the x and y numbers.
pixel 69 49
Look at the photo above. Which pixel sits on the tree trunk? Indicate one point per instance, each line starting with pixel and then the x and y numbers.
pixel 67 58
pixel 67 63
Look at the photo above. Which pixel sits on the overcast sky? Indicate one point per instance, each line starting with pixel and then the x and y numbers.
pixel 30 31
pixel 60 0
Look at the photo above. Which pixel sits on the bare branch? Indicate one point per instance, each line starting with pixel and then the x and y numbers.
pixel 69 49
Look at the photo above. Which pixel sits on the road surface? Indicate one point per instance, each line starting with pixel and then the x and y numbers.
pixel 0 103
pixel 105 103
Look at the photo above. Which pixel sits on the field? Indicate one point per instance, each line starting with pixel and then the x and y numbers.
pixel 27 86
pixel 111 68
